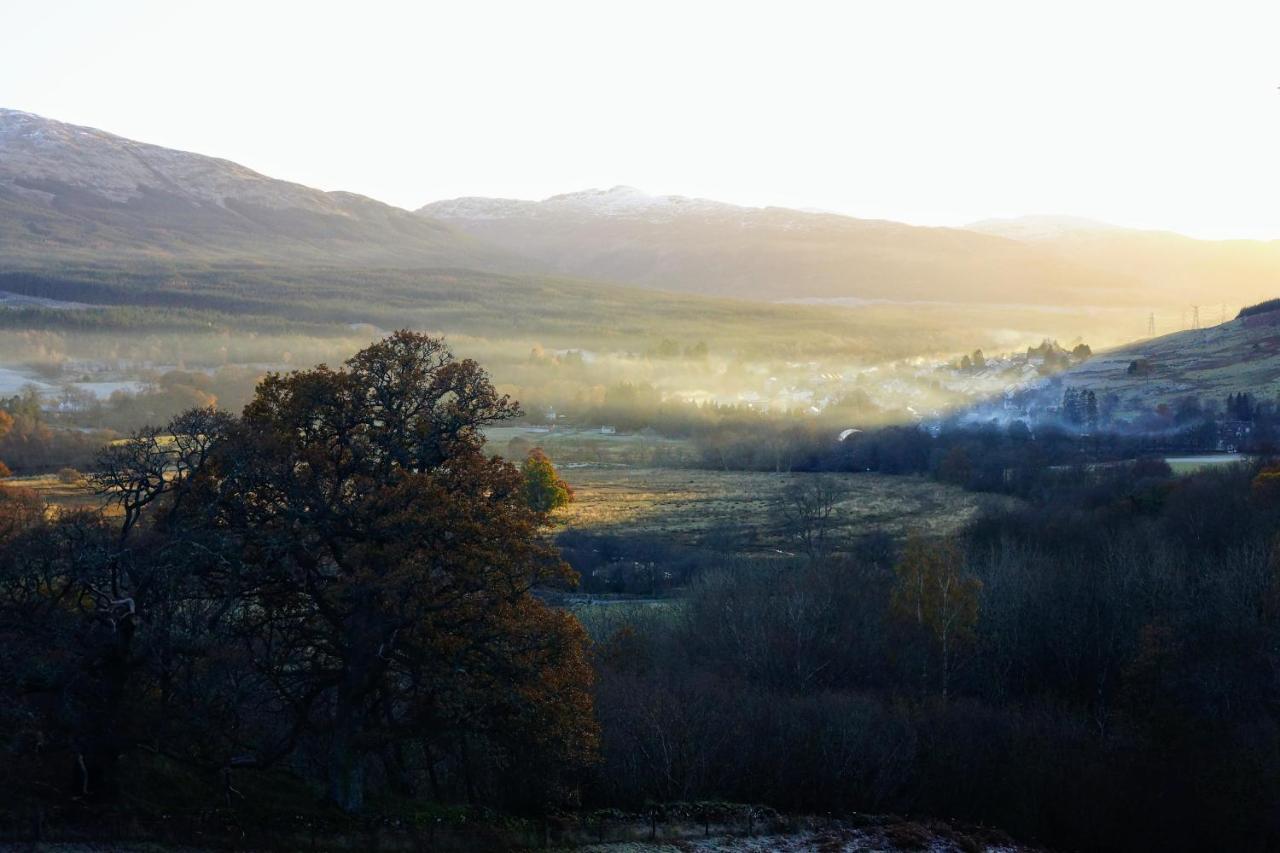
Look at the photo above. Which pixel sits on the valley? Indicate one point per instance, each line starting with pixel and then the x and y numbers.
pixel 114 238
pixel 510 523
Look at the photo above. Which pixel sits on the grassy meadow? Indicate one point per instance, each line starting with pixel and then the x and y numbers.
pixel 58 494
pixel 692 506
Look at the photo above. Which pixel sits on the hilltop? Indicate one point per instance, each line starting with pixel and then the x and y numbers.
pixel 1172 268
pixel 1239 356
pixel 77 194
pixel 702 246
pixel 71 192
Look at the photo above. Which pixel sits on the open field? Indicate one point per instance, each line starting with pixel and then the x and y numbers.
pixel 57 495
pixel 571 447
pixel 1192 464
pixel 691 506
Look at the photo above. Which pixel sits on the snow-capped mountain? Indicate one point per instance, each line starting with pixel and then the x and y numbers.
pixel 83 192
pixel 626 203
pixel 70 193
pixel 619 201
pixel 42 157
pixel 701 246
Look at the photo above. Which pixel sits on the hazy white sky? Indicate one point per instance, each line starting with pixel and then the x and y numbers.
pixel 1148 114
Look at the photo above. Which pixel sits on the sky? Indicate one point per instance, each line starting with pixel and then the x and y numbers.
pixel 1154 115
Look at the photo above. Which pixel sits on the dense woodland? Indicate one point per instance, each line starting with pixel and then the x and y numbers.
pixel 1094 670
pixel 341 594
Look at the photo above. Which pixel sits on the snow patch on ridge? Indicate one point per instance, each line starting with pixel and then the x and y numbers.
pixel 38 155
pixel 620 203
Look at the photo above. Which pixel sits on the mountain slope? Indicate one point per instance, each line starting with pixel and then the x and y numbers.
pixel 1033 228
pixel 75 192
pixel 1240 355
pixel 701 246
pixel 1175 269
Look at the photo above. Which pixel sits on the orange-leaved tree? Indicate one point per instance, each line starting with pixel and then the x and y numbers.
pixel 544 488
pixel 6 427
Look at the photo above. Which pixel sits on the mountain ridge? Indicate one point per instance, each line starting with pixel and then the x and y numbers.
pixel 1176 269
pixel 78 194
pixel 713 248
pixel 81 192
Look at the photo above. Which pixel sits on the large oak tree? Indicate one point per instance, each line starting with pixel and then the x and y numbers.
pixel 340 577
pixel 385 567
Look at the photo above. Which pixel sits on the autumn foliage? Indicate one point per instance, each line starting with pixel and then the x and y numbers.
pixel 544 489
pixel 340 581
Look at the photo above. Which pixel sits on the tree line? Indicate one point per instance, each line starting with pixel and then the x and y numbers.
pixel 1091 669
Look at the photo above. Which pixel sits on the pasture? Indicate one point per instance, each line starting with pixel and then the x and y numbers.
pixel 58 494
pixel 692 507
pixel 725 510
pixel 573 447
pixel 1191 464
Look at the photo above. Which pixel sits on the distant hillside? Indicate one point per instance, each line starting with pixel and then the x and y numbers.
pixel 1172 268
pixel 75 192
pixel 1040 227
pixel 73 195
pixel 1241 355
pixel 701 246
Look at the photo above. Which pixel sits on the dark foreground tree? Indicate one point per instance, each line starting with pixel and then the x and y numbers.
pixel 341 579
pixel 384 574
